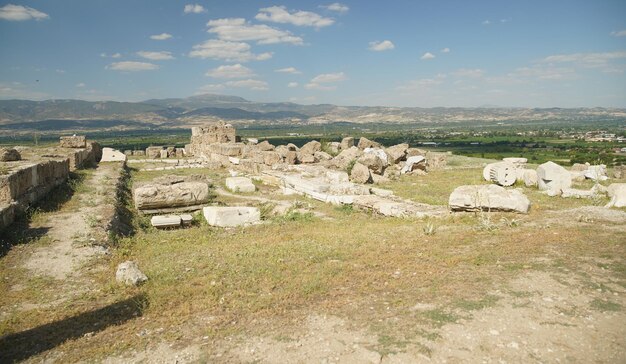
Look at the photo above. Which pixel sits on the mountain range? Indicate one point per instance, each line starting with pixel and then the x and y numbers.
pixel 183 112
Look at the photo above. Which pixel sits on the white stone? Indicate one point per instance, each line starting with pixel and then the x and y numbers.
pixel 231 216
pixel 502 173
pixel 380 153
pixel 553 178
pixel 163 154
pixel 186 219
pixel 240 184
pixel 596 173
pixel 128 273
pixel 617 193
pixel 112 155
pixel 253 141
pixel 530 177
pixel 167 221
pixel 411 162
pixel 381 192
pixel 233 160
pixel 488 198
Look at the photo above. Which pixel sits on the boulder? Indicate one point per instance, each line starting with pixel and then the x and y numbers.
pixel 73 141
pixel 530 177
pixel 617 193
pixel 270 158
pixel 413 163
pixel 322 156
pixel 305 158
pixel 128 273
pixel 292 147
pixel 397 153
pixel 139 152
pixel 372 162
pixel 596 173
pixel 167 221
pixel 343 159
pixel 252 141
pixel 411 152
pixel 366 143
pixel 112 155
pixel 265 146
pixel 577 176
pixel 579 167
pixel 9 155
pixel 378 179
pixel 360 174
pixel 179 194
pixel 291 157
pixel 436 160
pixel 180 152
pixel 231 216
pixel 153 152
pixel 346 143
pixel 311 147
pixel 488 198
pixel 337 177
pixel 240 184
pixel 553 178
pixel 334 147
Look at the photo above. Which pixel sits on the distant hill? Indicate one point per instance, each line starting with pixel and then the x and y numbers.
pixel 182 112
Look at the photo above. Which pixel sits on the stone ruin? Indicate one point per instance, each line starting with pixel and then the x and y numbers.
pixel 172 194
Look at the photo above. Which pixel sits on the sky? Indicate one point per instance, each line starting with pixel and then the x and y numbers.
pixel 418 53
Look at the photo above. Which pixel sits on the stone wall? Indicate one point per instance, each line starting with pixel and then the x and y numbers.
pixel 216 133
pixel 74 141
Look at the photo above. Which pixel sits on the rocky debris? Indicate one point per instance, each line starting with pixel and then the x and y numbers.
pixel 396 208
pixel 9 155
pixel 291 157
pixel 360 173
pixel 518 162
pixel 265 146
pixel 231 216
pixel 73 141
pixel 619 172
pixel 373 162
pixel 240 184
pixel 366 143
pixel 322 156
pixel 311 147
pixel 488 198
pixel 153 152
pixel 180 153
pixel 413 163
pixel 397 153
pixel 435 160
pixel 579 167
pixel 252 141
pixel 412 152
pixel 271 158
pixel 167 221
pixel 292 147
pixel 502 173
pixel 337 177
pixel 343 159
pixel 529 176
pixel 553 178
pixel 112 155
pixel 305 158
pixel 128 273
pixel 597 173
pixel 378 179
pixel 346 143
pixel 617 193
pixel 171 192
pixel 334 147
pixel 576 193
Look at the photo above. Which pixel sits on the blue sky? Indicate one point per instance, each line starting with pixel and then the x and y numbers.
pixel 392 53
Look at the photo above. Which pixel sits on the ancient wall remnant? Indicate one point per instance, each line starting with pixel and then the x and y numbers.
pixel 73 141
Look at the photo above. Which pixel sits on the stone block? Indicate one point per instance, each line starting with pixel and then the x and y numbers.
pixel 231 216
pixel 240 184
pixel 73 141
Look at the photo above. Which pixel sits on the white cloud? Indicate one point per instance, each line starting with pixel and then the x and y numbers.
pixel 543 73
pixel 237 30
pixel 291 70
pixel 156 56
pixel 194 9
pixel 606 61
pixel 280 14
pixel 469 73
pixel 162 36
pixel 427 56
pixel 251 84
pixel 114 55
pixel 381 46
pixel 212 87
pixel 60 71
pixel 292 84
pixel 19 13
pixel 338 7
pixel 620 33
pixel 445 50
pixel 132 66
pixel 229 51
pixel 230 71
pixel 486 22
pixel 16 90
pixel 80 85
pixel 320 82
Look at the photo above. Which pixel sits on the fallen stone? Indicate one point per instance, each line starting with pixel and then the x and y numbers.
pixel 412 152
pixel 265 146
pixel 530 177
pixel 579 167
pixel 366 143
pixel 139 152
pixel 378 179
pixel 181 194
pixel 252 141
pixel 346 143
pixel 334 147
pixel 553 178
pixel 343 159
pixel 488 198
pixel 322 156
pixel 231 216
pixel 518 162
pixel 337 176
pixel 153 152
pixel 128 273
pixel 163 154
pixel 360 174
pixel 502 173
pixel 292 147
pixel 128 153
pixel 311 147
pixel 164 222
pixel 397 153
pixel 372 162
pixel 577 176
pixel 381 192
pixel 413 163
pixel 112 155
pixel 306 158
pixel 617 193
pixel 9 155
pixel 240 184
pixel 291 157
pixel 436 160
pixel 270 158
pixel 73 141
pixel 186 219
pixel 576 193
pixel 596 173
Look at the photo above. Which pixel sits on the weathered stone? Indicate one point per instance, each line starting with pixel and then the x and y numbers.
pixel 231 216
pixel 577 176
pixel 378 179
pixel 128 273
pixel 305 158
pixel 252 141
pixel 291 157
pixel 153 152
pixel 397 153
pixel 167 221
pixel 322 156
pixel 337 177
pixel 435 160
pixel 576 193
pixel 155 196
pixel 112 155
pixel 265 146
pixel 530 177
pixel 502 173
pixel 9 155
pixel 412 152
pixel 617 193
pixel 380 153
pixel 311 147
pixel 596 173
pixel 553 178
pixel 271 158
pixel 619 172
pixel 186 219
pixel 292 147
pixel 73 141
pixel 579 167
pixel 488 198
pixel 413 163
pixel 346 143
pixel 334 147
pixel 240 184
pixel 360 174
pixel 164 154
pixel 372 162
pixel 518 162
pixel 343 159
pixel 366 143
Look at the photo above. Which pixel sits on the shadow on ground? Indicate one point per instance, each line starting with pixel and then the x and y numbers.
pixel 23 345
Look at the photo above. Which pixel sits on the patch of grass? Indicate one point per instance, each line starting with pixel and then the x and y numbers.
pixel 429 229
pixel 469 305
pixel 345 209
pixel 439 317
pixel 605 305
